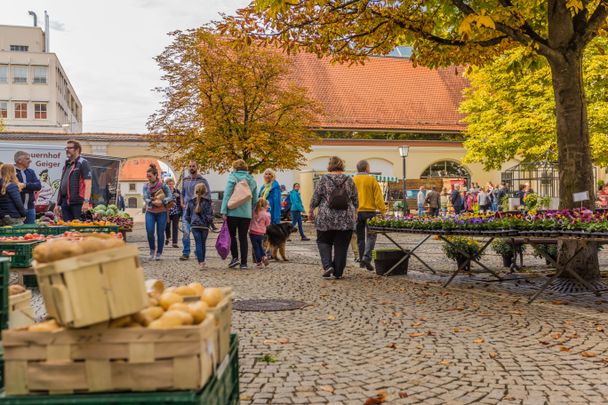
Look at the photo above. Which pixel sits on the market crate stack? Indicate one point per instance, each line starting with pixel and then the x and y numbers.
pixel 111 331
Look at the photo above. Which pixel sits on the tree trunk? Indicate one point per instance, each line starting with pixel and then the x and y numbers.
pixel 575 166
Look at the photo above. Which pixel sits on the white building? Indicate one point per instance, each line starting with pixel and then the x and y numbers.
pixel 35 93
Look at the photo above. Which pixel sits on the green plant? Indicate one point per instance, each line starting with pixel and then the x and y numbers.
pixel 268 358
pixel 504 247
pixel 459 245
pixel 504 203
pixel 550 250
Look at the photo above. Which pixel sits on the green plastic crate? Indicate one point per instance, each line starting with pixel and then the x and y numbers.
pixel 5 266
pixel 20 230
pixel 23 252
pixel 83 229
pixel 222 390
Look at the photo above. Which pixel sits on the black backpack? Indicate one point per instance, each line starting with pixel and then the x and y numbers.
pixel 338 199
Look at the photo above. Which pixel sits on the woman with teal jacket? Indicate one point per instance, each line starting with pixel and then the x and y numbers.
pixel 297 208
pixel 239 218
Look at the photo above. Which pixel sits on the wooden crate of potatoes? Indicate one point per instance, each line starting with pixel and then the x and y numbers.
pixel 89 281
pixel 102 358
pixel 20 308
pixel 222 314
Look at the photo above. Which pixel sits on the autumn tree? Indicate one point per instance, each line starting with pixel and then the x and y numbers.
pixel 225 102
pixel 445 32
pixel 510 109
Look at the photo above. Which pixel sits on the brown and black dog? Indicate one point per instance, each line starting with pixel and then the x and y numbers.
pixel 276 237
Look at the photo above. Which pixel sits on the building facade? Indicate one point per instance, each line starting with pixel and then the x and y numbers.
pixel 35 92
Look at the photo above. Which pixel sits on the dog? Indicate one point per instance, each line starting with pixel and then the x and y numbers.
pixel 276 237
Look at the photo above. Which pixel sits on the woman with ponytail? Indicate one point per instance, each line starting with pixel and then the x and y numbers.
pixel 12 210
pixel 199 214
pixel 157 197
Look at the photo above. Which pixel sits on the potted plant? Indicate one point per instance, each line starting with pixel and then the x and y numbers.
pixel 506 249
pixel 460 244
pixel 385 259
pixel 550 250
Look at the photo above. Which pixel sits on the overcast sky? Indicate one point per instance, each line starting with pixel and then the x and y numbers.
pixel 106 48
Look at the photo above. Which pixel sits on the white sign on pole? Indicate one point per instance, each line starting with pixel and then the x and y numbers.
pixel 514 203
pixel 582 196
pixel 554 203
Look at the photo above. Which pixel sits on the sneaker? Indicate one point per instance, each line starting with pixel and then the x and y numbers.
pixel 243 266
pixel 157 258
pixel 184 257
pixel 259 266
pixel 368 265
pixel 328 273
pixel 265 261
pixel 152 253
pixel 357 260
pixel 337 277
pixel 304 239
pixel 175 245
pixel 233 263
pixel 361 264
pixel 202 266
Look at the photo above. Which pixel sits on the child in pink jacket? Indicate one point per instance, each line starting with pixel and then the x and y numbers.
pixel 257 230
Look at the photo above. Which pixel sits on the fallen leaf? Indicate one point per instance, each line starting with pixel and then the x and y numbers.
pixel 269 342
pixel 430 333
pixel 573 334
pixel 564 349
pixel 378 399
pixel 327 388
pixel 392 345
pixel 556 335
pixel 517 312
pixel 455 330
pixel 416 334
pixel 486 314
pixel 396 314
pixel 385 303
pixel 509 398
pixel 283 341
pixel 416 324
pixel 588 354
pixel 444 362
pixel 558 302
pixel 479 341
pixel 599 328
pixel 456 309
pixel 422 318
pixel 493 355
pixel 544 342
pixel 402 394
pixel 331 317
pixel 246 397
pixel 567 322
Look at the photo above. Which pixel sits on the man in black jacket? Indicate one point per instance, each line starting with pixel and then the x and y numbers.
pixel 28 178
pixel 76 183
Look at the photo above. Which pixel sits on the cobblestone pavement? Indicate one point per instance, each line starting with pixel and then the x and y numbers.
pixel 405 336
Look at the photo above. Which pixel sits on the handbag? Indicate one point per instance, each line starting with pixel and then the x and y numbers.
pixel 222 244
pixel 240 195
pixel 160 195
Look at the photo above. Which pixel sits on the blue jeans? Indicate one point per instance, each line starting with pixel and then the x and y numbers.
pixel 296 218
pixel 494 207
pixel 30 218
pixel 70 211
pixel 420 210
pixel 200 238
pixel 156 222
pixel 257 243
pixel 186 237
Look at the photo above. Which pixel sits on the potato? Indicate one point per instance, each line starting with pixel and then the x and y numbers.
pixel 91 245
pixel 198 310
pixel 212 296
pixel 185 291
pixel 197 287
pixel 169 320
pixel 179 306
pixel 169 298
pixel 155 286
pixel 185 317
pixel 47 326
pixel 153 302
pixel 148 315
pixel 15 289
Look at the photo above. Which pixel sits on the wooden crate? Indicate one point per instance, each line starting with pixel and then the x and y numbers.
pixel 20 310
pixel 97 359
pixel 92 288
pixel 223 319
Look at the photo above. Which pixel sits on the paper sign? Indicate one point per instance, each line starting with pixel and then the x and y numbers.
pixel 514 203
pixel 554 203
pixel 582 196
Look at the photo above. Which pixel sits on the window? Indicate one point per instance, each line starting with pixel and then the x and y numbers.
pixel 20 110
pixel 39 111
pixel 132 187
pixel 3 109
pixel 19 74
pixel 3 74
pixel 19 48
pixel 40 74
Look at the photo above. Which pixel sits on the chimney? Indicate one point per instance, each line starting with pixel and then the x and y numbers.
pixel 47 32
pixel 35 17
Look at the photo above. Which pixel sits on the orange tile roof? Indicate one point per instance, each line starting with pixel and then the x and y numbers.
pixel 135 169
pixel 385 93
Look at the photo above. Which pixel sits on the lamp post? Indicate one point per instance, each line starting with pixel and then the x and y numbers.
pixel 403 151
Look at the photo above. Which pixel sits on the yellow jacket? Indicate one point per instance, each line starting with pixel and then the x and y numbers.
pixel 370 194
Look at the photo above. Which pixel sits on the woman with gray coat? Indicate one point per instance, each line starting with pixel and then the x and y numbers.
pixel 336 198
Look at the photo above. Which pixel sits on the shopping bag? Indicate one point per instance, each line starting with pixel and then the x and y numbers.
pixel 240 195
pixel 222 244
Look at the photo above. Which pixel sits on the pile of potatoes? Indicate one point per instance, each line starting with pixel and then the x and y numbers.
pixel 15 289
pixel 58 249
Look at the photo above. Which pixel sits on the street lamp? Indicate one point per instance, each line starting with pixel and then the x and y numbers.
pixel 403 151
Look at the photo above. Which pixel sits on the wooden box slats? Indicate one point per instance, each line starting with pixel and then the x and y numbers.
pixel 94 287
pixel 100 359
pixel 21 312
pixel 223 320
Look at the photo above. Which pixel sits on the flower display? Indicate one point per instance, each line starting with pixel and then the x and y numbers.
pixel 576 221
